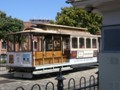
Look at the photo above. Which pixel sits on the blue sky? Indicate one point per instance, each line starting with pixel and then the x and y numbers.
pixel 32 9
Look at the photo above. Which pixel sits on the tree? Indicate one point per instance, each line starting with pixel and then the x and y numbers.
pixel 9 24
pixel 77 17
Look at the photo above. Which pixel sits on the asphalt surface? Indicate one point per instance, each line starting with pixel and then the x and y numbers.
pixel 8 82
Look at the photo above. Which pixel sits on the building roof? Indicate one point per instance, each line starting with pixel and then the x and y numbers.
pixel 87 3
pixel 62 26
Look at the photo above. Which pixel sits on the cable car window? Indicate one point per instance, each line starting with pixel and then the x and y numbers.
pixel 18 43
pixel 10 43
pixel 37 42
pixel 66 42
pixel 24 43
pixel 88 43
pixel 57 43
pixel 35 45
pixel 74 42
pixel 81 43
pixel 48 43
pixel 94 43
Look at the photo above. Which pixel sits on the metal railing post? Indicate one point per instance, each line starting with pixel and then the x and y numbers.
pixel 60 79
pixel 98 79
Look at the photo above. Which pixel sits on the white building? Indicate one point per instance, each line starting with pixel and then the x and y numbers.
pixel 109 69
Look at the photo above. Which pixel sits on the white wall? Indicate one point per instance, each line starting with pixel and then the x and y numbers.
pixel 111 17
pixel 109 71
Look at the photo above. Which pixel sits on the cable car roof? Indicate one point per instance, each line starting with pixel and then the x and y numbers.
pixel 43 28
pixel 60 31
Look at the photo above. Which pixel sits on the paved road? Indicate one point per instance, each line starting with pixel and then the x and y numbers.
pixel 7 82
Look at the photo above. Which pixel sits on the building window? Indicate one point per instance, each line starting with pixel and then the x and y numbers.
pixel 4 45
pixel 3 59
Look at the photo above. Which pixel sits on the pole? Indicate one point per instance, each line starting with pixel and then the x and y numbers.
pixel 60 79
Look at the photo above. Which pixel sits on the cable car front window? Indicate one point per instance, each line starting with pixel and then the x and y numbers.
pixel 19 42
pixel 10 43
pixel 94 43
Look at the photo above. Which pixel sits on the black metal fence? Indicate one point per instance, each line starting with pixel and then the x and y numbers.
pixel 3 67
pixel 90 83
pixel 3 61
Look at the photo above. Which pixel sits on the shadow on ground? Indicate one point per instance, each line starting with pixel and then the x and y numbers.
pixel 48 75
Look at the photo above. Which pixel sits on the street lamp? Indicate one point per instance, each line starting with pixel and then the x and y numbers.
pixel 89 9
pixel 70 1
